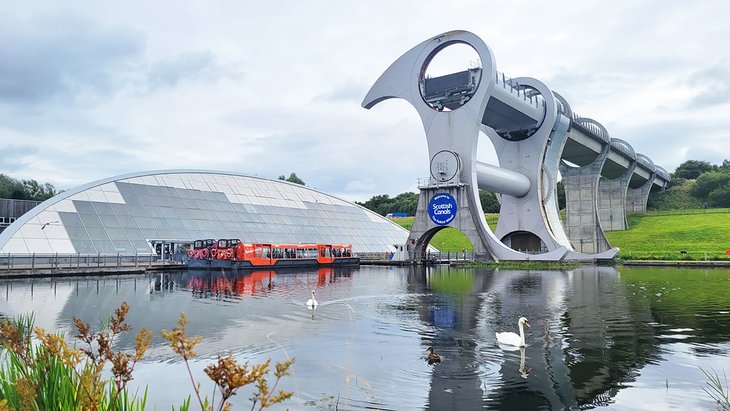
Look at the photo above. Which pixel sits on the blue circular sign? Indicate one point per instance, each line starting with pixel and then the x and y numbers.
pixel 442 208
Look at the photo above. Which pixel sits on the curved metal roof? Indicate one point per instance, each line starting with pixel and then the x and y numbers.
pixel 663 174
pixel 317 216
pixel 623 147
pixel 594 127
pixel 645 162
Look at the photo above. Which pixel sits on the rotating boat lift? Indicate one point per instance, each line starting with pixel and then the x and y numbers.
pixel 529 126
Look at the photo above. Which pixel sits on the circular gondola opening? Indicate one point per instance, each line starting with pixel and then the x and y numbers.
pixel 450 76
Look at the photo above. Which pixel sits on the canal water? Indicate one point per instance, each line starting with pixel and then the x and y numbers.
pixel 600 337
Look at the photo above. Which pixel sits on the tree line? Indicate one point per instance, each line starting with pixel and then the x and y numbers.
pixel 25 189
pixel 694 184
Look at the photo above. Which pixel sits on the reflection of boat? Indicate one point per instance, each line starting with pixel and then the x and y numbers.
pixel 237 255
pixel 206 283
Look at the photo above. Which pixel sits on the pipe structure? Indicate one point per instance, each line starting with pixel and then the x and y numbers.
pixel 501 180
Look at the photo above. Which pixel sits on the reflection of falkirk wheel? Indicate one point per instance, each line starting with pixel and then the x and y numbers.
pixel 521 118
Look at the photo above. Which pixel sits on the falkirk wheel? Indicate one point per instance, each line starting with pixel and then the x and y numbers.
pixel 522 118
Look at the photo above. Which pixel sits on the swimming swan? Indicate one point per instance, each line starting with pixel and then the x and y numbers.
pixel 312 303
pixel 510 338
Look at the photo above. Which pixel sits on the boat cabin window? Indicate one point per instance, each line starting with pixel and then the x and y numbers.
pixel 262 252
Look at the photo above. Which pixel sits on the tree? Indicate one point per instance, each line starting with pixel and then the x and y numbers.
pixel 708 182
pixel 691 169
pixel 292 179
pixel 720 197
pixel 561 195
pixel 489 201
pixel 674 198
pixel 25 190
pixel 402 203
pixel 725 165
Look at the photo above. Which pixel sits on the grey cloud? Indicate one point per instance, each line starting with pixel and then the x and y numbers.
pixel 715 85
pixel 62 55
pixel 169 73
pixel 12 157
pixel 670 143
pixel 351 91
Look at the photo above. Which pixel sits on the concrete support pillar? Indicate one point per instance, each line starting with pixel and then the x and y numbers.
pixel 636 198
pixel 581 205
pixel 612 201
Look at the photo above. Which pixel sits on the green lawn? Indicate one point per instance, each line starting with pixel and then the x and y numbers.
pixel 675 237
pixel 665 235
pixel 449 239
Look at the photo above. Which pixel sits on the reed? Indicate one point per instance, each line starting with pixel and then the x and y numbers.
pixel 715 388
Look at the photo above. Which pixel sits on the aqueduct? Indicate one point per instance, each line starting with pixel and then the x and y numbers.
pixel 537 138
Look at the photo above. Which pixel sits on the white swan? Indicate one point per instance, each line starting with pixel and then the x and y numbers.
pixel 510 338
pixel 312 303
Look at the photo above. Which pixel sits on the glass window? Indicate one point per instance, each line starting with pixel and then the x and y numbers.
pixel 153 211
pixel 189 224
pixel 149 234
pixel 97 233
pixel 116 233
pixel 104 247
pixel 141 246
pixel 77 233
pixel 202 205
pixel 90 220
pixel 109 220
pixel 165 233
pixel 84 246
pixel 160 222
pixel 84 207
pixel 70 219
pixel 134 234
pixel 103 208
pixel 174 223
pixel 140 189
pixel 123 247
pixel 137 210
pixel 120 209
pixel 163 201
pixel 127 221
pixel 144 222
pixel 147 200
pixel 189 203
pixel 182 193
pixel 203 224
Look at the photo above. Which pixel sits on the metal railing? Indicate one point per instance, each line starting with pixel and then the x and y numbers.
pixel 433 257
pixel 58 261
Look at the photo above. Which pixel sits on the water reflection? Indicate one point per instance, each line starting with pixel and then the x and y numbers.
pixel 629 337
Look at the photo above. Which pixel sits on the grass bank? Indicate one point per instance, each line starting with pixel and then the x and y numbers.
pixel 689 235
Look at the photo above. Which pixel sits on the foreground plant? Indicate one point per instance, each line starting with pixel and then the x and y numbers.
pixel 227 374
pixel 50 375
pixel 716 390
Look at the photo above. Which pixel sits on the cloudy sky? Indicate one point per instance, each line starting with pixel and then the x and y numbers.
pixel 94 89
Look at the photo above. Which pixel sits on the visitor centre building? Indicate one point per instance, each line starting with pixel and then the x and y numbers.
pixel 152 212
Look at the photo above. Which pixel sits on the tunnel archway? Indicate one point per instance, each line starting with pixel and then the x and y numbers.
pixel 449 241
